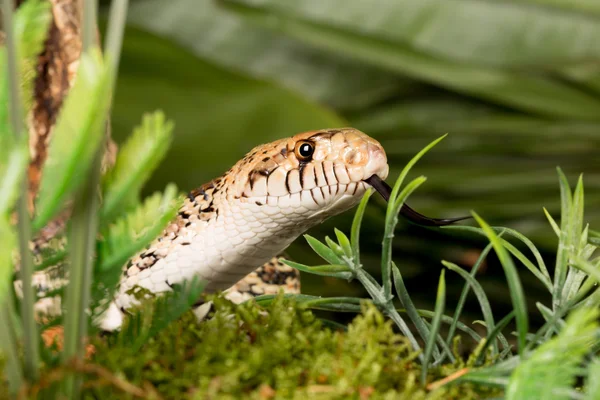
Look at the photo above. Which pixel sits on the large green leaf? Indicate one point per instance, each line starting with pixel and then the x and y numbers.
pixel 220 115
pixel 221 37
pixel 502 33
pixel 524 91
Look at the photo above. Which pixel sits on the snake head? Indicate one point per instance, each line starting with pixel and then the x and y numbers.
pixel 312 175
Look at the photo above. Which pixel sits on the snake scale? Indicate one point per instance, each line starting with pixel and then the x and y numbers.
pixel 234 224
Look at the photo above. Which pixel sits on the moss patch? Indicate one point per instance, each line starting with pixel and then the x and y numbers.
pixel 251 352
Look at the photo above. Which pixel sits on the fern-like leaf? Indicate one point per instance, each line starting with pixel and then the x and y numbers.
pixel 550 372
pixel 137 158
pixel 129 235
pixel 156 314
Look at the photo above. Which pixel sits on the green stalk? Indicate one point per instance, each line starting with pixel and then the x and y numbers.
pixel 82 240
pixel 24 225
pixel 114 35
pixel 436 322
pixel 14 373
pixel 88 26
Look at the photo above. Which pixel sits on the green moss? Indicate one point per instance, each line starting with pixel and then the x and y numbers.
pixel 251 352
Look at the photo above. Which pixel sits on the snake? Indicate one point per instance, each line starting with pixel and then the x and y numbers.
pixel 230 231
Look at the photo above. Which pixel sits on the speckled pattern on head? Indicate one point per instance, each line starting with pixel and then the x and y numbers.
pixel 238 222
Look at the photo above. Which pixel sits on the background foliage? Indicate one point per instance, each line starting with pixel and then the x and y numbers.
pixel 515 83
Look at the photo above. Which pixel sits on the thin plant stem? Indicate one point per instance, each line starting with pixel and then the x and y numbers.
pixel 114 34
pixel 84 227
pixel 14 373
pixel 89 27
pixel 386 304
pixel 24 225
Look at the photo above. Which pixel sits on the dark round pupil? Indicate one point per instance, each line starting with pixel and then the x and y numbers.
pixel 306 150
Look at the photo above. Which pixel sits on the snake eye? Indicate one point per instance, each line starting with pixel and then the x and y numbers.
pixel 304 151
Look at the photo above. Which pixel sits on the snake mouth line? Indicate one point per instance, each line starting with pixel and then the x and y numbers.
pixel 413 216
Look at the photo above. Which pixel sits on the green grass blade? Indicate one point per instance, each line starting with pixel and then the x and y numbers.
pixel 398 184
pixel 540 272
pixel 532 248
pixel 12 172
pixel 326 253
pixel 409 306
pixel 391 220
pixel 344 243
pixel 576 233
pixel 355 231
pixel 337 249
pixel 562 255
pixel 514 283
pixel 552 222
pixel 497 333
pixel 440 305
pixel 463 295
pixel 449 320
pixel 528 264
pixel 334 270
pixel 484 303
pixel 8 345
pixel 13 46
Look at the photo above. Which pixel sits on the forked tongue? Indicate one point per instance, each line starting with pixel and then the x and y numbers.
pixel 385 191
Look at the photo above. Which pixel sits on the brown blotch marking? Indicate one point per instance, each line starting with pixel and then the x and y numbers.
pixel 266 159
pixel 258 203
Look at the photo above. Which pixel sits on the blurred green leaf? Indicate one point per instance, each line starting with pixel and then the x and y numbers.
pixel 136 229
pixel 552 369
pixel 508 33
pixel 592 384
pixel 13 165
pixel 220 115
pixel 76 137
pixel 136 161
pixel 221 37
pixel 524 91
pixel 32 20
pixel 7 247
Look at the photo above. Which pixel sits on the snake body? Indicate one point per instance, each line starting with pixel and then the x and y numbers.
pixel 234 224
pixel 228 227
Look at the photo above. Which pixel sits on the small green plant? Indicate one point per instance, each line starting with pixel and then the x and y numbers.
pixel 573 287
pixel 100 236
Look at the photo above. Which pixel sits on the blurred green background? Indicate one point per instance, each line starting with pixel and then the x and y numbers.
pixel 515 83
